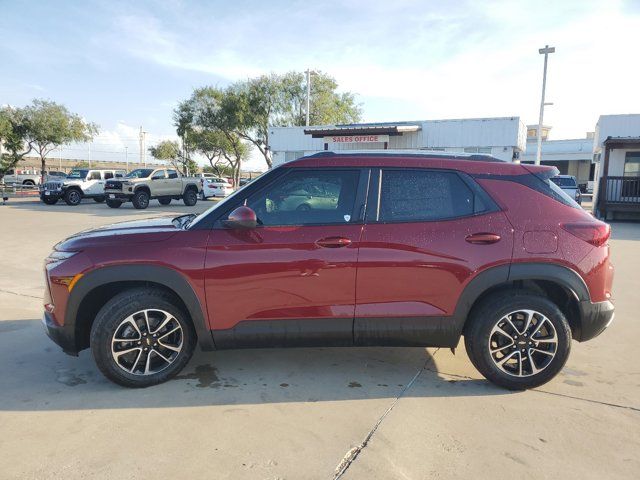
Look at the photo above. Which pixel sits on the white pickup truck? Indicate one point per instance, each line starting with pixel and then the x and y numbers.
pixel 144 184
pixel 22 177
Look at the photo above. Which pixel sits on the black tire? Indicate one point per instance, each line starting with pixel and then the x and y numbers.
pixel 140 199
pixel 164 201
pixel 109 321
pixel 73 197
pixel 49 200
pixel 113 203
pixel 490 313
pixel 28 183
pixel 190 197
pixel 99 199
pixel 305 207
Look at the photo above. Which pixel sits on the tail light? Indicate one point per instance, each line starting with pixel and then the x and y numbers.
pixel 596 233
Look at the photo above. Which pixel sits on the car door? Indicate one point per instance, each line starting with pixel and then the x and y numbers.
pixel 158 185
pixel 94 183
pixel 173 184
pixel 291 280
pixel 427 233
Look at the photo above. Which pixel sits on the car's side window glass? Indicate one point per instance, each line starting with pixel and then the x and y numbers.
pixel 308 197
pixel 94 176
pixel 424 195
pixel 172 174
pixel 108 175
pixel 158 174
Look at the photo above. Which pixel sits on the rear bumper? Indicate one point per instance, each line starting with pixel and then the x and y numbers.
pixel 596 317
pixel 61 335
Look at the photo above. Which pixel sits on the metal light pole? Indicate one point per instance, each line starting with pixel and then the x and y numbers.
pixel 546 51
pixel 308 72
pixel 126 156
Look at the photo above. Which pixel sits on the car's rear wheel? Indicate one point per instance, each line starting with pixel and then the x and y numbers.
pixel 140 199
pixel 518 340
pixel 190 197
pixel 72 197
pixel 50 200
pixel 164 201
pixel 113 203
pixel 141 338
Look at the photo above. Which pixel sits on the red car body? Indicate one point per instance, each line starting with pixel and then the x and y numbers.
pixel 363 282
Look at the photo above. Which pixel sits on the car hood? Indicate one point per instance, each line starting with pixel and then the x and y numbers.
pixel 133 232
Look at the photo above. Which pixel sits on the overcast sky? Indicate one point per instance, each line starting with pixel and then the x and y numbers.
pixel 126 64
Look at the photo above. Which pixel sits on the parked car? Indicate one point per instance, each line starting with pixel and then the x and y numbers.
pixel 144 184
pixel 215 187
pixel 569 184
pixel 22 177
pixel 80 183
pixel 413 250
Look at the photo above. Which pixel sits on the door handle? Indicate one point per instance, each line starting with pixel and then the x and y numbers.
pixel 482 238
pixel 333 242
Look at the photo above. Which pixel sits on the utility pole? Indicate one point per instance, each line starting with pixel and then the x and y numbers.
pixel 545 51
pixel 60 157
pixel 89 154
pixel 126 156
pixel 143 152
pixel 308 72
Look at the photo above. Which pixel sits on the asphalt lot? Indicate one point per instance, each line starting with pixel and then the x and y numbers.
pixel 298 414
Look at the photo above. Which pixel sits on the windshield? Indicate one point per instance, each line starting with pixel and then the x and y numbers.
pixel 78 174
pixel 564 181
pixel 139 173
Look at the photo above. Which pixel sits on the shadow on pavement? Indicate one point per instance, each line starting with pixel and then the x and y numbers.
pixel 35 375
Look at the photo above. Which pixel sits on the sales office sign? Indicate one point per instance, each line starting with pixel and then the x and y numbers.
pixel 356 139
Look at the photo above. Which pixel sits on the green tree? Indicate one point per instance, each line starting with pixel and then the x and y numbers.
pixel 254 105
pixel 51 125
pixel 14 146
pixel 169 150
pixel 209 120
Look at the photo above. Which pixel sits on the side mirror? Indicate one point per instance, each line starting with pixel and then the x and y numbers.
pixel 241 217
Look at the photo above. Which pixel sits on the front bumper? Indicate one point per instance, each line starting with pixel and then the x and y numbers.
pixel 57 194
pixel 61 335
pixel 596 317
pixel 111 195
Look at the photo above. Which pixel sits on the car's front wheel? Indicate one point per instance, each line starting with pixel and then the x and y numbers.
pixel 141 338
pixel 518 339
pixel 72 197
pixel 141 199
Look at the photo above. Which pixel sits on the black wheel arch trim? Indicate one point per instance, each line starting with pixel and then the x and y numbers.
pixel 165 276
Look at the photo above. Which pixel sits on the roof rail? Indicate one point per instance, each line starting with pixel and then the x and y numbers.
pixel 399 153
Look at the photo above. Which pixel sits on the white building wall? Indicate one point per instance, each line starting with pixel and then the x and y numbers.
pixel 503 136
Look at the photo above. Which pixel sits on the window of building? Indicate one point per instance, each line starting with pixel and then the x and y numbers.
pixel 290 156
pixel 423 195
pixel 632 164
pixel 308 197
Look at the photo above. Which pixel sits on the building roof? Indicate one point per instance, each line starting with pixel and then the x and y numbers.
pixel 621 140
pixel 406 154
pixel 363 129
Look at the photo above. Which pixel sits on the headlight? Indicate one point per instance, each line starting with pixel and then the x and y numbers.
pixel 58 257
pixel 577 194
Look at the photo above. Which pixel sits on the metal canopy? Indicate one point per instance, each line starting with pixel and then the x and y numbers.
pixel 371 129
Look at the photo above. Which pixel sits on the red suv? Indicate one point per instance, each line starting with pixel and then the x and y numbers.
pixel 345 250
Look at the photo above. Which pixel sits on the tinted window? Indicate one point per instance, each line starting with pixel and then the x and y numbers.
pixel 158 174
pixel 422 195
pixel 306 197
pixel 108 175
pixel 94 176
pixel 140 173
pixel 172 174
pixel 78 174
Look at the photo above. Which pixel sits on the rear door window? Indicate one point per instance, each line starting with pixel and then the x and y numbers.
pixel 426 195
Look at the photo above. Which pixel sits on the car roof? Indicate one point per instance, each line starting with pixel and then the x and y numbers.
pixel 471 163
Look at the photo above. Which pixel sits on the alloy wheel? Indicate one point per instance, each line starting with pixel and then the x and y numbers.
pixel 147 342
pixel 523 343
